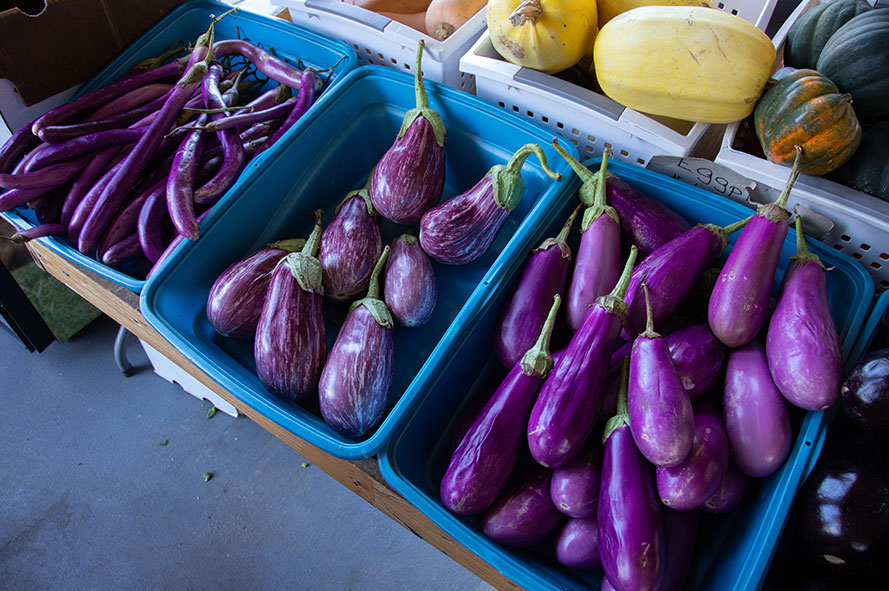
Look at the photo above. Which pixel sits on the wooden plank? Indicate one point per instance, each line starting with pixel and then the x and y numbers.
pixel 361 477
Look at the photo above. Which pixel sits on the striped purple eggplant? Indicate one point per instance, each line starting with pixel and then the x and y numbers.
pixel 481 464
pixel 802 343
pixel 291 344
pixel 355 380
pixel 462 228
pixel 660 411
pixel 578 543
pixel 632 542
pixel 730 492
pixel 645 222
pixel 740 299
pixel 544 276
pixel 236 297
pixel 409 290
pixel 565 411
pixel 350 247
pixel 575 486
pixel 698 357
pixel 756 415
pixel 409 178
pixel 523 514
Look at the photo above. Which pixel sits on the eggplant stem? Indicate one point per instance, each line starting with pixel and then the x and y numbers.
pixel 518 160
pixel 732 228
pixel 507 183
pixel 419 87
pixel 314 240
pixel 584 173
pixel 289 244
pixel 158 60
pixel 373 290
pixel 623 283
pixel 801 246
pixel 794 173
pixel 537 361
pixel 649 316
pixel 621 417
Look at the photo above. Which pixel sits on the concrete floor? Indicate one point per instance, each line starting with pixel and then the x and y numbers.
pixel 91 499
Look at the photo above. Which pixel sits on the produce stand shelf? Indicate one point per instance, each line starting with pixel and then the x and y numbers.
pixel 361 477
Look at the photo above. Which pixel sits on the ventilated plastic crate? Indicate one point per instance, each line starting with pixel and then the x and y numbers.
pixel 591 121
pixel 860 222
pixel 381 41
pixel 187 22
pixel 733 550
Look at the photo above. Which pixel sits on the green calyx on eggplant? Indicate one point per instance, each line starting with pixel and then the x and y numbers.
pixel 303 265
pixel 372 301
pixel 422 109
pixel 592 190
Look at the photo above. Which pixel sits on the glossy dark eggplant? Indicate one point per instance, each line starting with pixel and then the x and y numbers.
pixel 355 381
pixel 644 222
pixel 236 297
pixel 409 290
pixel 523 514
pixel 409 178
pixel 698 357
pixel 461 229
pixel 731 491
pixel 865 391
pixel 578 543
pixel 575 486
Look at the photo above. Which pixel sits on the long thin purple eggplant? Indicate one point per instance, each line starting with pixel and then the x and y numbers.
pixel 632 542
pixel 523 514
pixel 39 231
pixel 138 117
pixel 82 183
pixel 802 344
pixel 180 184
pixel 88 201
pixel 731 491
pixel 565 411
pixel 575 486
pixel 698 357
pixel 660 411
pixel 150 225
pixel 13 198
pixel 410 288
pixel 544 276
pixel 132 99
pixel 756 416
pixel 578 543
pixel 50 176
pixel 16 147
pixel 304 100
pixel 355 381
pixel 83 145
pixel 247 117
pixel 462 228
pixel 740 299
pixel 126 221
pixel 273 67
pixel 122 252
pixel 291 344
pixel 481 464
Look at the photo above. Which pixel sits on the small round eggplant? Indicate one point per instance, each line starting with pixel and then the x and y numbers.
pixel 802 344
pixel 865 391
pixel 409 289
pixel 578 543
pixel 756 415
pixel 730 492
pixel 236 298
pixel 697 356
pixel 575 486
pixel 645 222
pixel 355 380
pixel 524 514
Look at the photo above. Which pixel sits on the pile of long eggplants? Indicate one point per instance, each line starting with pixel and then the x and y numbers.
pixel 278 295
pixel 693 414
pixel 126 171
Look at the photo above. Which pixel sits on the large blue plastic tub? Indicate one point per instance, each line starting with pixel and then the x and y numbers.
pixel 331 154
pixel 186 23
pixel 735 548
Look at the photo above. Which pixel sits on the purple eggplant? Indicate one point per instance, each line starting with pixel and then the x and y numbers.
pixel 291 344
pixel 802 343
pixel 681 529
pixel 525 312
pixel 270 65
pixel 660 411
pixel 697 357
pixel 481 464
pixel 38 231
pixel 16 147
pixel 740 299
pixel 409 178
pixel 671 271
pixel 631 523
pixel 645 222
pixel 730 492
pixel 598 257
pixel 350 248
pixel 578 543
pixel 409 290
pixel 606 584
pixel 462 228
pixel 236 297
pixel 565 411
pixel 694 480
pixel 355 380
pixel 756 416
pixel 468 414
pixel 524 513
pixel 575 486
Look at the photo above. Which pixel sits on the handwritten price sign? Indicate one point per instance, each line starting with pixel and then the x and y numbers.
pixel 705 174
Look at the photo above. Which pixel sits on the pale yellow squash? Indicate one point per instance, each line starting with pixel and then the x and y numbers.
pixel 608 9
pixel 545 35
pixel 697 64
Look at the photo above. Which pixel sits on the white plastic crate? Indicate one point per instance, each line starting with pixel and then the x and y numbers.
pixel 381 41
pixel 591 121
pixel 860 222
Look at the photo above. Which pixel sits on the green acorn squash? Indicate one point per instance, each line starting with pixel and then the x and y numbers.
pixel 811 31
pixel 868 169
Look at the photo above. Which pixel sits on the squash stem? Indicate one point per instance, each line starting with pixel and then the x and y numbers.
pixel 537 361
pixel 526 12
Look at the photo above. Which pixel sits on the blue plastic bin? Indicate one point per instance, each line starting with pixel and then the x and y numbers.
pixel 186 23
pixel 735 549
pixel 333 153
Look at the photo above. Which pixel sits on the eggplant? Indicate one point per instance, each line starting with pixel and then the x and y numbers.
pixel 575 486
pixel 351 245
pixel 523 514
pixel 740 300
pixel 606 585
pixel 544 276
pixel 730 492
pixel 356 377
pixel 660 411
pixel 462 228
pixel 598 257
pixel 409 178
pixel 645 222
pixel 410 289
pixel 802 343
pixel 578 543
pixel 290 344
pixel 698 357
pixel 470 411
pixel 632 542
pixel 236 297
pixel 756 415
pixel 681 530
pixel 481 464
pixel 565 411
pixel 865 391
